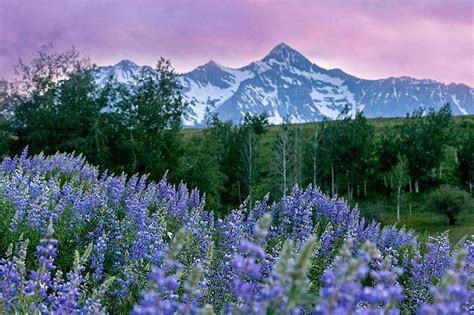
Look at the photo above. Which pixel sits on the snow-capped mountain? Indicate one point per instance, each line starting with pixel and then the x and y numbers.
pixel 286 84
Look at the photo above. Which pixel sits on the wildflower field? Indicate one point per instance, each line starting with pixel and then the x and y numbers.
pixel 77 241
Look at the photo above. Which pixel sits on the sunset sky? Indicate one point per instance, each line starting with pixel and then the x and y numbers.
pixel 370 39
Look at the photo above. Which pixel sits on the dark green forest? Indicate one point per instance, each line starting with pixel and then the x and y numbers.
pixel 54 105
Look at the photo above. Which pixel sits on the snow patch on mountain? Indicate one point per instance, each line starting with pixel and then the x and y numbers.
pixel 458 105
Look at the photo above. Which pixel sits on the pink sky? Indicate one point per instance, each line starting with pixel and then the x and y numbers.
pixel 370 39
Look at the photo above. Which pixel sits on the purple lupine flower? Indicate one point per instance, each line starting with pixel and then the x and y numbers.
pixel 67 298
pixel 454 294
pixel 327 241
pixel 259 209
pixel 98 257
pixel 10 279
pixel 157 301
pixel 247 268
pixel 386 293
pixel 343 292
pixel 40 280
pixel 162 297
pixel 424 268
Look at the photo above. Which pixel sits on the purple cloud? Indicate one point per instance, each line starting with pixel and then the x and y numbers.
pixel 370 39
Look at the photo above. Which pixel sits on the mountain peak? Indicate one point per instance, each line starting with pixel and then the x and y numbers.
pixel 282 47
pixel 284 53
pixel 126 64
pixel 212 63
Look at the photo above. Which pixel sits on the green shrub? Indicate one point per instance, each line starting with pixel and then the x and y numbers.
pixel 449 201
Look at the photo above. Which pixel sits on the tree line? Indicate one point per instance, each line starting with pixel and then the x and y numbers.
pixel 54 104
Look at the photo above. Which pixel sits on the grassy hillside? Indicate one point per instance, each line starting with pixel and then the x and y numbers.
pixel 377 123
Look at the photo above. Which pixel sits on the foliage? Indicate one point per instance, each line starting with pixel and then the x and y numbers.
pixel 202 169
pixel 449 201
pixel 343 152
pixel 53 103
pixel 423 137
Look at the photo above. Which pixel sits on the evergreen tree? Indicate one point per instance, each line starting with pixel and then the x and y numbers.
pixel 328 152
pixel 203 162
pixel 345 149
pixel 227 154
pixel 466 157
pixel 357 152
pixel 388 153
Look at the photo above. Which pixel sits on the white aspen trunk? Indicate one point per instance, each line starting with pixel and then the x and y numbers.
pixel 297 157
pixel 315 166
pixel 410 210
pixel 314 172
pixel 348 192
pixel 456 155
pixel 284 167
pixel 250 160
pixel 409 184
pixel 134 163
pixel 417 188
pixel 300 168
pixel 240 193
pixel 348 187
pixel 333 191
pixel 398 202
pixel 250 166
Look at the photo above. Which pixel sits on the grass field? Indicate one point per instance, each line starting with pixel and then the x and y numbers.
pixel 378 123
pixel 420 219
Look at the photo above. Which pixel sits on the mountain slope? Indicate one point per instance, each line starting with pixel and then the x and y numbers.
pixel 285 84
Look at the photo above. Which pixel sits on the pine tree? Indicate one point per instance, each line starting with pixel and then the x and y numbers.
pixel 466 157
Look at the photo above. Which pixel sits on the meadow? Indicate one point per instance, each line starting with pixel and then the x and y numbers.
pixel 75 240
